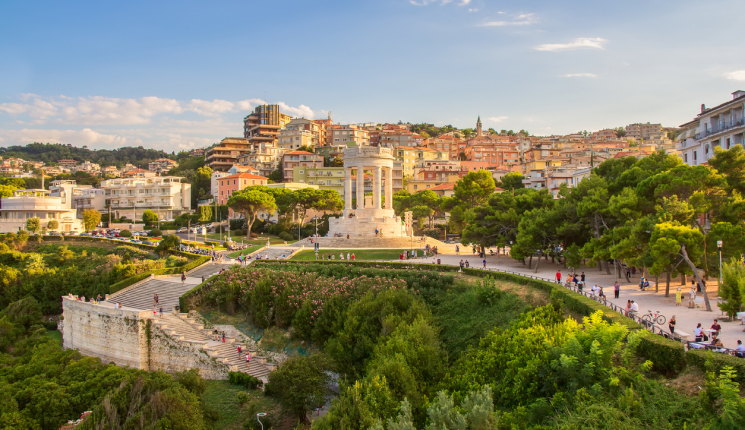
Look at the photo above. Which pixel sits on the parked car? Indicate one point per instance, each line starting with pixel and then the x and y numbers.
pixel 181 230
pixel 147 242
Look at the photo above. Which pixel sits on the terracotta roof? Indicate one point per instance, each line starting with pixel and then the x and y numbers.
pixel 444 187
pixel 244 176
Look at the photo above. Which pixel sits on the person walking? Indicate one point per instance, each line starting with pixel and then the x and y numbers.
pixel 239 350
pixel 248 357
pixel 558 277
pixel 183 278
pixel 484 263
pixel 671 323
pixel 348 257
pixel 616 289
pixel 161 311
pixel 582 277
pixel 678 297
pixel 692 298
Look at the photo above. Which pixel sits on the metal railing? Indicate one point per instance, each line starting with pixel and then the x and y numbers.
pixel 720 127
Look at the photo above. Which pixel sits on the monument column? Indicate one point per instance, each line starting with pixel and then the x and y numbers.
pixel 347 190
pixel 377 191
pixel 389 188
pixel 360 187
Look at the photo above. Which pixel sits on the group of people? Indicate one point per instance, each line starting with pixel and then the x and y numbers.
pixel 195 250
pixel 236 247
pixel 248 354
pixel 432 249
pixel 405 255
pixel 217 335
pixel 350 257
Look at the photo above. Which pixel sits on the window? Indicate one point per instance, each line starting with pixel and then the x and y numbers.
pixel 728 143
pixel 233 181
pixel 695 155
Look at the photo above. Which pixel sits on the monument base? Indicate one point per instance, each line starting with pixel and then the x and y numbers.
pixel 364 226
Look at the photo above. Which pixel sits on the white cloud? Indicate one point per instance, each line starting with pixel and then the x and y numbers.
pixel 737 75
pixel 249 104
pixel 496 118
pixel 579 75
pixel 204 107
pixel 522 19
pixel 582 42
pixel 301 110
pixel 464 2
pixel 85 136
pixel 473 10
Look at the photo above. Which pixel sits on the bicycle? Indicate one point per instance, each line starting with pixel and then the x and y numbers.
pixel 656 318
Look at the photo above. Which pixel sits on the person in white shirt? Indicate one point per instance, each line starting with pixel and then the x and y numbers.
pixel 740 349
pixel 634 308
pixel 698 333
pixel 592 291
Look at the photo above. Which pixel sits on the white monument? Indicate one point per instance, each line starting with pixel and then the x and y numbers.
pixel 363 220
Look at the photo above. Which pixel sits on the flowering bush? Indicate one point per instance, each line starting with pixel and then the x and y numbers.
pixel 287 298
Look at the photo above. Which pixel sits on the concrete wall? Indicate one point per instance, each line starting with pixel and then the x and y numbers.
pixel 129 337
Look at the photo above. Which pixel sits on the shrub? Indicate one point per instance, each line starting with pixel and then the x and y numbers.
pixel 667 356
pixel 125 233
pixel 155 233
pixel 715 362
pixel 286 236
pixel 245 380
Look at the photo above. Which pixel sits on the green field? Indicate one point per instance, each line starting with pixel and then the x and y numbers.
pixel 246 251
pixel 359 254
pixel 222 397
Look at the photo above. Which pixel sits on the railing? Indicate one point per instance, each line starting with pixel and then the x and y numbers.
pixel 722 126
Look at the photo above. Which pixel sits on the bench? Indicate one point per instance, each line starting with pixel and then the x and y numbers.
pixel 681 334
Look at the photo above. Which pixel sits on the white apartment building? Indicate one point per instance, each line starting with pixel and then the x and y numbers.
pixel 161 165
pixel 168 196
pixel 42 204
pixel 264 157
pixel 552 178
pixel 87 167
pixel 721 126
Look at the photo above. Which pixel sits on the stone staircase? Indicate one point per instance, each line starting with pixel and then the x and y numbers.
pixel 378 242
pixel 180 327
pixel 140 296
pixel 208 270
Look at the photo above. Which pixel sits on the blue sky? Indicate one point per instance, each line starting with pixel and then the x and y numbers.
pixel 178 75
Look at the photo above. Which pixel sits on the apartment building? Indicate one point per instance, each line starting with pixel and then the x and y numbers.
pixel 265 157
pixel 721 126
pixel 66 162
pixel 302 132
pixel 452 145
pixel 644 131
pixel 110 171
pixel 225 154
pixel 410 155
pixel 168 196
pixel 326 178
pixel 293 159
pixel 396 138
pixel 605 134
pixel 87 167
pixel 228 185
pixel 351 135
pixel 570 177
pixel 264 124
pixel 161 165
pixel 495 155
pixel 331 151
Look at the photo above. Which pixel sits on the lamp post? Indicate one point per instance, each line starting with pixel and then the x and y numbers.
pixel 260 415
pixel 719 245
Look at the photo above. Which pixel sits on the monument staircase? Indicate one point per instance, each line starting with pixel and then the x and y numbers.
pixel 378 242
pixel 181 328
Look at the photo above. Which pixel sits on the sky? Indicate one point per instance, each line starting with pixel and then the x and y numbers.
pixel 182 75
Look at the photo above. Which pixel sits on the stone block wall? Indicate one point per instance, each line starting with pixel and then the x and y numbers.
pixel 128 337
pixel 113 335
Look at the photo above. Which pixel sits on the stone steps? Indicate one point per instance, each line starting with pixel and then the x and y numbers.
pixel 182 328
pixel 377 242
pixel 141 297
pixel 208 270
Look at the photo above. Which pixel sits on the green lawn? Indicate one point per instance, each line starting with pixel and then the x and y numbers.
pixel 222 397
pixel 246 251
pixel 56 335
pixel 359 254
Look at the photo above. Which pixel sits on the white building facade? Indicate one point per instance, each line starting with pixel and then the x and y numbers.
pixel 721 126
pixel 168 196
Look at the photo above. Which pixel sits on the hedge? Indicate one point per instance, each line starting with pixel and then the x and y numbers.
pixel 668 356
pixel 165 271
pixel 714 362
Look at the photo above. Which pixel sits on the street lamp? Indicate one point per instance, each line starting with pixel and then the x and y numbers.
pixel 719 245
pixel 260 415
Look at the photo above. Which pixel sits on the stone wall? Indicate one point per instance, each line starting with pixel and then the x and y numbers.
pixel 173 355
pixel 129 337
pixel 113 335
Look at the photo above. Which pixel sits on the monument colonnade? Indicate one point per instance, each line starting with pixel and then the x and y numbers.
pixel 378 192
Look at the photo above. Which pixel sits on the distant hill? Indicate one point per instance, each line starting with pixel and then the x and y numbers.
pixel 51 153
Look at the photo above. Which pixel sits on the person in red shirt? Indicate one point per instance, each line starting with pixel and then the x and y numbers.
pixel 558 277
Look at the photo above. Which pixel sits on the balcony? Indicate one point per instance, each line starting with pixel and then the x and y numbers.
pixel 721 127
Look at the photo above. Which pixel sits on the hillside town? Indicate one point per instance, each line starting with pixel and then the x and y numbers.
pixel 285 152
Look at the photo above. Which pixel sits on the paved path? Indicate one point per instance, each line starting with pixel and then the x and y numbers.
pixel 647 300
